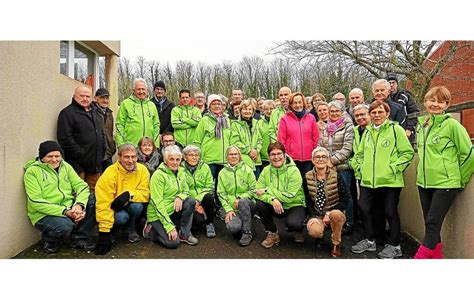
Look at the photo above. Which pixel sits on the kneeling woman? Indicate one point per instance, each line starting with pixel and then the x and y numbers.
pixel 236 191
pixel 328 198
pixel 170 203
pixel 280 194
pixel 201 188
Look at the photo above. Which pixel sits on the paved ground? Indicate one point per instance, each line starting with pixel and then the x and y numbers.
pixel 224 246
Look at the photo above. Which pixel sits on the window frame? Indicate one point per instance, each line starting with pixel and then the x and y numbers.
pixel 71 46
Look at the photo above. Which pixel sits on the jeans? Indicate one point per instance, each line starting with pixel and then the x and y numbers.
pixel 209 206
pixel 294 217
pixel 347 176
pixel 54 228
pixel 382 200
pixel 184 219
pixel 435 204
pixel 242 221
pixel 128 216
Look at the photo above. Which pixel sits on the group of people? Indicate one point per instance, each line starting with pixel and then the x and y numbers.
pixel 317 164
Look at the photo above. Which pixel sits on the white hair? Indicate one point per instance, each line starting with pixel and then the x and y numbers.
pixel 191 148
pixel 380 81
pixel 319 149
pixel 356 90
pixel 136 80
pixel 360 106
pixel 337 104
pixel 171 150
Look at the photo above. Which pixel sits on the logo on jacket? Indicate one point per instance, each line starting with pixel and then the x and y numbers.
pixel 385 143
pixel 436 139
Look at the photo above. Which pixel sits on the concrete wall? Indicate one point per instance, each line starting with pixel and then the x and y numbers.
pixel 32 94
pixel 458 228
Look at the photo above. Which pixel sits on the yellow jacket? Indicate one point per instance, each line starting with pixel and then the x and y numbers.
pixel 113 182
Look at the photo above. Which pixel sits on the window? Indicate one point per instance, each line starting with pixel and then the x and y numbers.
pixel 78 62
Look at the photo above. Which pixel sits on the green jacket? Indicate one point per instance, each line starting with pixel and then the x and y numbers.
pixel 165 186
pixel 200 182
pixel 235 182
pixel 445 151
pixel 212 149
pixel 355 148
pixel 283 183
pixel 263 128
pixel 383 156
pixel 137 118
pixel 51 193
pixel 274 123
pixel 246 140
pixel 184 120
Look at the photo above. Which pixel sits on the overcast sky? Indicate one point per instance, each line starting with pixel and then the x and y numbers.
pixel 207 51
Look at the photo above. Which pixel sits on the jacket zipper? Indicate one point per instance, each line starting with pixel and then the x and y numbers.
pixel 143 117
pixel 301 140
pixel 424 152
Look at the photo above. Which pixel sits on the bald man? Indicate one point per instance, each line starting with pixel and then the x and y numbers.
pixel 283 95
pixel 80 135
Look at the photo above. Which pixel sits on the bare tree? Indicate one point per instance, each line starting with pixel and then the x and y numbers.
pixel 407 58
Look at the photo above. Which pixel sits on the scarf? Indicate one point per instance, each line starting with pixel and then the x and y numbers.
pixel 191 168
pixel 300 114
pixel 220 124
pixel 332 126
pixel 248 121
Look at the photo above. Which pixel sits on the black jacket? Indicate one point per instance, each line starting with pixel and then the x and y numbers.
pixel 164 114
pixel 404 98
pixel 81 136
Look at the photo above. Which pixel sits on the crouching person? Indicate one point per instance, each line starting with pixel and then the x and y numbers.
pixel 236 191
pixel 58 200
pixel 122 192
pixel 201 188
pixel 328 198
pixel 170 203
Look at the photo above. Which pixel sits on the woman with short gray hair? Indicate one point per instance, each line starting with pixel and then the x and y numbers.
pixel 201 188
pixel 170 205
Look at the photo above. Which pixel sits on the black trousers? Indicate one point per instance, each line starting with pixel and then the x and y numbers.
pixel 373 202
pixel 304 167
pixel 209 206
pixel 435 204
pixel 294 217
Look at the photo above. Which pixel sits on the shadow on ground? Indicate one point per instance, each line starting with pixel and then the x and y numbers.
pixel 224 246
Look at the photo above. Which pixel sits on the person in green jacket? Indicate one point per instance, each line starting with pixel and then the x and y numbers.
pixel 236 192
pixel 283 95
pixel 59 203
pixel 246 135
pixel 383 156
pixel 362 118
pixel 184 119
pixel 170 204
pixel 446 164
pixel 201 188
pixel 137 117
pixel 280 194
pixel 212 135
pixel 263 127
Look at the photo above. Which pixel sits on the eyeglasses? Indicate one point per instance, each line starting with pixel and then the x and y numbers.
pixel 168 141
pixel 233 154
pixel 334 111
pixel 360 115
pixel 192 155
pixel 276 154
pixel 377 112
pixel 320 157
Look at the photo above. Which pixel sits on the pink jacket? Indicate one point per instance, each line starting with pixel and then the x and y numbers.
pixel 299 136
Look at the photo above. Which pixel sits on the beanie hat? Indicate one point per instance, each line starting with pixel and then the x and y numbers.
pixel 212 98
pixel 391 76
pixel 161 84
pixel 49 146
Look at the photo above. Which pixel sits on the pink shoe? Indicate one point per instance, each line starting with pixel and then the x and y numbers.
pixel 423 253
pixel 438 252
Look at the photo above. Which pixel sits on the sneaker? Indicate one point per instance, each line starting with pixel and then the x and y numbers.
pixel 245 240
pixel 146 231
pixel 83 245
pixel 190 240
pixel 364 245
pixel 299 237
pixel 221 214
pixel 210 230
pixel 51 247
pixel 390 252
pixel 133 237
pixel 270 240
